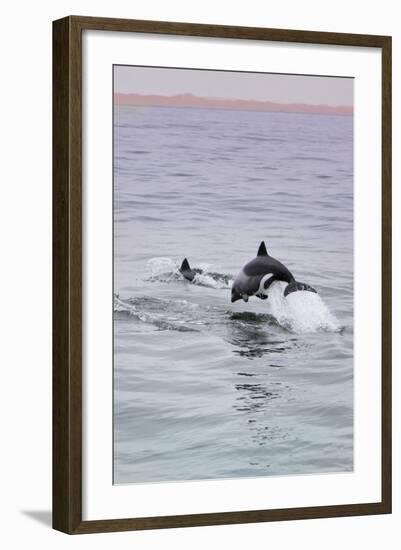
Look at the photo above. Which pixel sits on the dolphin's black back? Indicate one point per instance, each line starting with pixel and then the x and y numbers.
pixel 264 269
pixel 187 271
pixel 266 264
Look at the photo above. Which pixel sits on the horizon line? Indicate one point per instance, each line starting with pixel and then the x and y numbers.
pixel 191 100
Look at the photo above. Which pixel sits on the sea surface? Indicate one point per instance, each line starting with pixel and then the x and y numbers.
pixel 203 388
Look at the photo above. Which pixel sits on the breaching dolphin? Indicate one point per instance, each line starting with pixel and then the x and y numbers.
pixel 255 278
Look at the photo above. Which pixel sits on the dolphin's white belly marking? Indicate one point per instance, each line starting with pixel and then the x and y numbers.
pixel 261 289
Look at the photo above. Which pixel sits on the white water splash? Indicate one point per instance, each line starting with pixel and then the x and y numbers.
pixel 212 280
pixel 301 311
pixel 163 269
pixel 166 270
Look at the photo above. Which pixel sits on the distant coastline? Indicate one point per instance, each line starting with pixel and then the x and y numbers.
pixel 190 100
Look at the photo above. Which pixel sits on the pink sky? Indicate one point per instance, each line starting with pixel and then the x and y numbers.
pixel 190 100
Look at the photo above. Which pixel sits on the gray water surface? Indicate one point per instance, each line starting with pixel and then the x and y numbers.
pixel 203 388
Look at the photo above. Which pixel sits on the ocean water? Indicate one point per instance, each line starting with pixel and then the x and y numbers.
pixel 206 389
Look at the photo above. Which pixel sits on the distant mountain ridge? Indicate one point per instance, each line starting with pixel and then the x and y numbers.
pixel 190 100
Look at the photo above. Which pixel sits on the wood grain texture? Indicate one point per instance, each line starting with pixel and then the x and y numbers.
pixel 67 277
pixel 67 274
pixel 227 31
pixel 386 275
pixel 229 518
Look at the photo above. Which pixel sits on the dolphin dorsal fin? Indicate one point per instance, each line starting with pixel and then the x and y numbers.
pixel 185 265
pixel 262 249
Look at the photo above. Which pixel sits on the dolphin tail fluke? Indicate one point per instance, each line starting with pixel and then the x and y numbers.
pixel 295 286
pixel 185 265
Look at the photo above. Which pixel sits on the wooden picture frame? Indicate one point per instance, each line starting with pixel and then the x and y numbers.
pixel 67 273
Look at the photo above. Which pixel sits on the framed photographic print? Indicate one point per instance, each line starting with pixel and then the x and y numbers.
pixel 222 274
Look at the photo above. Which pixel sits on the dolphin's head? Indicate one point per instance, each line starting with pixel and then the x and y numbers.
pixel 235 295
